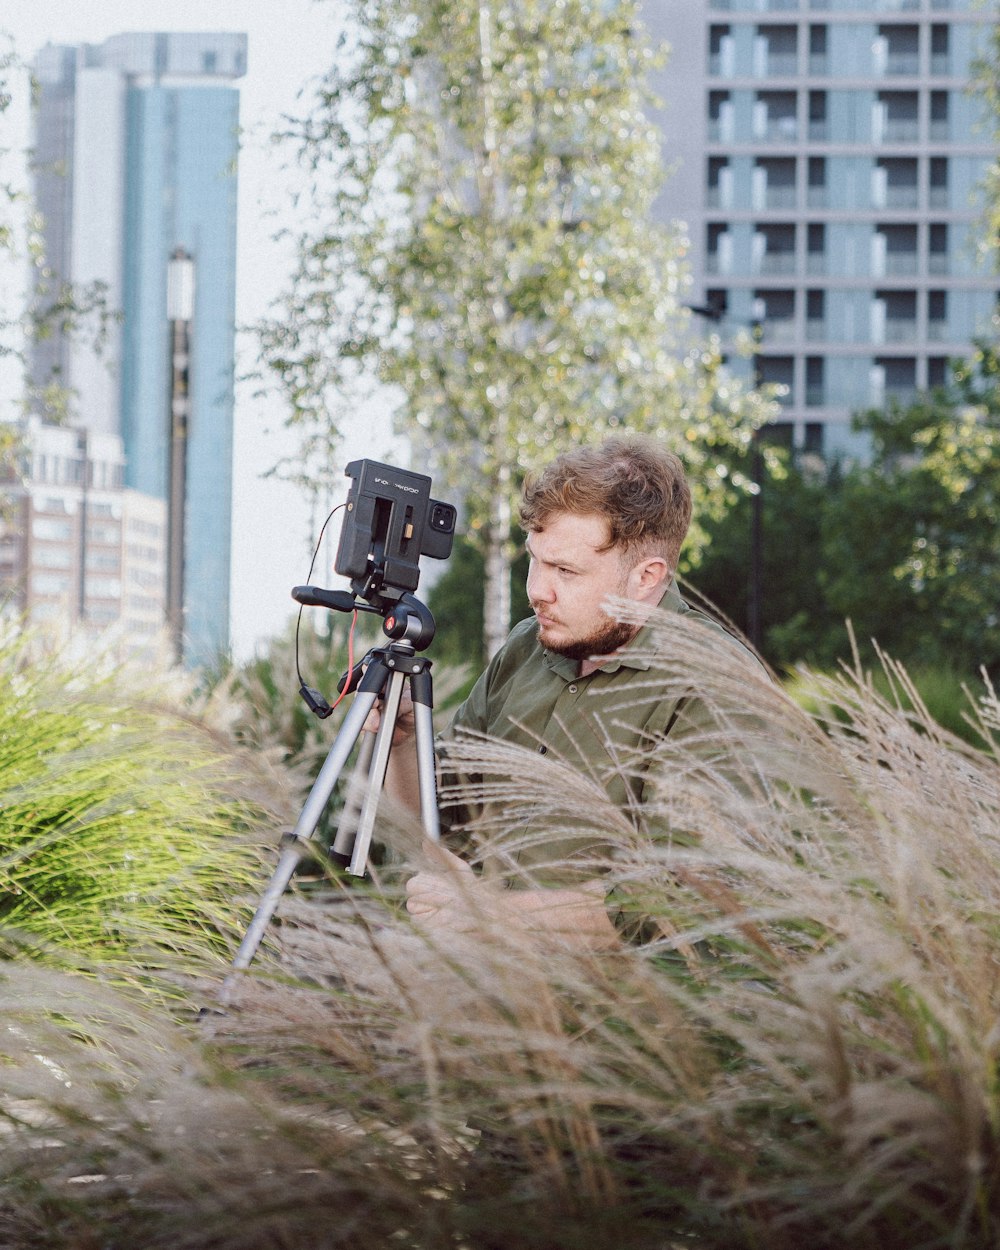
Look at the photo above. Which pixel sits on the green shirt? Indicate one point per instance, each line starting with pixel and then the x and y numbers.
pixel 602 726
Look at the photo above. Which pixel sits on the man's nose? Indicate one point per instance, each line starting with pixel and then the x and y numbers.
pixel 539 586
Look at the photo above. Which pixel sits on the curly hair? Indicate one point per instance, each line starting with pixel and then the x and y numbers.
pixel 635 484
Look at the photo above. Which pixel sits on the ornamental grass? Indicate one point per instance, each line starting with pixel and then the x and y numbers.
pixel 129 828
pixel 801 1052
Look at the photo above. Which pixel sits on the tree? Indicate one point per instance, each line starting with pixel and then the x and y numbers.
pixel 483 178
pixel 936 478
pixel 904 546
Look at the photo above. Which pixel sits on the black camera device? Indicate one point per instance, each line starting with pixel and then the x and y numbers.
pixel 390 522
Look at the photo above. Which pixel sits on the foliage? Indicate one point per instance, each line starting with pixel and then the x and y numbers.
pixel 904 546
pixel 482 240
pixel 806 1055
pixel 126 830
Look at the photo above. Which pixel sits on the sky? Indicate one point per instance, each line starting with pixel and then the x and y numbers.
pixel 290 43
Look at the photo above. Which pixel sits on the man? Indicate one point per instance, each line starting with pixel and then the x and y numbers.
pixel 602 522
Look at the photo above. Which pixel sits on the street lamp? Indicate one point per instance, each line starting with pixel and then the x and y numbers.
pixel 180 314
pixel 755 572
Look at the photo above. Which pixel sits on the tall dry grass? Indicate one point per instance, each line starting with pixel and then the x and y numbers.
pixel 804 1052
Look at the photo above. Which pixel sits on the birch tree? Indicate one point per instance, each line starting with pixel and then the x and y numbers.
pixel 482 174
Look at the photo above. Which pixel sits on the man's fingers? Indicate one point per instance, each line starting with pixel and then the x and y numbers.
pixel 444 860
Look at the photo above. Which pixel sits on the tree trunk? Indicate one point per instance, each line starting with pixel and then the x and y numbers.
pixel 496 593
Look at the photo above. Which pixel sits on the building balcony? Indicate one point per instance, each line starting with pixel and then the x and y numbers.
pixel 774 197
pixel 899 330
pixel 901 65
pixel 778 65
pixel 778 330
pixel 781 130
pixel 816 329
pixel 900 131
pixel 899 265
pixel 773 264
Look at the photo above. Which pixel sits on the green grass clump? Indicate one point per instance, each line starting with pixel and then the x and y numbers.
pixel 128 831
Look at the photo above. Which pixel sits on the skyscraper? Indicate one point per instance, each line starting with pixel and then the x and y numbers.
pixel 827 157
pixel 136 146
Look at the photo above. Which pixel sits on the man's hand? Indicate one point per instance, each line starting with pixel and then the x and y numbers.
pixel 405 726
pixel 450 898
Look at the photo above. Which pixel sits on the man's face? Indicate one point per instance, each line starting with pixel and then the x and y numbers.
pixel 570 575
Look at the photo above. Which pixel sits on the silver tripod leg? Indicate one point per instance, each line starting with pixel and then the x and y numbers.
pixel 297 840
pixel 380 764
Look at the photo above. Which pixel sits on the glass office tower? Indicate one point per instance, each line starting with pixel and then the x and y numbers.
pixel 136 152
pixel 828 161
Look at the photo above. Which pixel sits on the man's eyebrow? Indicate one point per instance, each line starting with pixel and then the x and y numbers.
pixel 558 562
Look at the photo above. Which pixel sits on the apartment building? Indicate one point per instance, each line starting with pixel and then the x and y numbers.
pixel 828 157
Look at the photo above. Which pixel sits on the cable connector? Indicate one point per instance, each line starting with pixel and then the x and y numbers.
pixel 315 701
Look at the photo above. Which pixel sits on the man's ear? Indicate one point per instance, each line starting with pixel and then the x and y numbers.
pixel 650 576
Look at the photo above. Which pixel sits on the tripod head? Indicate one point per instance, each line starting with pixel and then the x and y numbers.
pixel 406 620
pixel 408 623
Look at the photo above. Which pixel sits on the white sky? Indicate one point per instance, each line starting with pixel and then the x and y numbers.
pixel 290 42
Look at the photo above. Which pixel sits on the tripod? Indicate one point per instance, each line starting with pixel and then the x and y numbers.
pixel 381 675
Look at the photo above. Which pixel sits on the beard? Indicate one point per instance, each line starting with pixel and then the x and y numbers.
pixel 605 640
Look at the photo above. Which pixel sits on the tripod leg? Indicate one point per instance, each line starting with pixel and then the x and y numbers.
pixel 305 827
pixel 423 703
pixel 376 773
pixel 347 828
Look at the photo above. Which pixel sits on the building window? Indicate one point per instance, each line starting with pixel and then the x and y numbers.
pixel 817 116
pixel 895 183
pixel 774 249
pixel 720 52
pixel 720 117
pixel 777 371
pixel 776 52
pixel 775 116
pixel 777 314
pixel 939 120
pixel 940 53
pixel 937 315
pixel 816 247
pixel 938 182
pixel 774 183
pixel 816 195
pixel 720 182
pixel 719 257
pixel 818 63
pixel 896 50
pixel 815 389
pixel 937 251
pixel 937 371
pixel 896 117
pixel 815 315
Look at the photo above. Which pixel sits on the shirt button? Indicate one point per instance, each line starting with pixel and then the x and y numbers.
pixel 542 749
pixel 573 689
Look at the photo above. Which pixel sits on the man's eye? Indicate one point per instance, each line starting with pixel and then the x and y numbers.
pixel 567 572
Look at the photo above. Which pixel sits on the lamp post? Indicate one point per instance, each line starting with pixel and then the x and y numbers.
pixel 755 572
pixel 180 314
pixel 755 580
